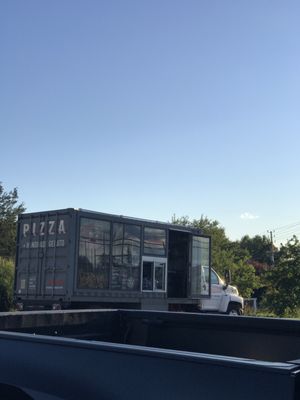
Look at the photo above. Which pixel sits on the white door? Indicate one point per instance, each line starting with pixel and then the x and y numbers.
pixel 154 272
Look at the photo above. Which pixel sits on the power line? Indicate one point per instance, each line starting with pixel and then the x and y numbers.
pixel 285 227
pixel 287 237
pixel 287 234
pixel 288 231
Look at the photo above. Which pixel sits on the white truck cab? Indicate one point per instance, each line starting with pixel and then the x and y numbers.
pixel 224 297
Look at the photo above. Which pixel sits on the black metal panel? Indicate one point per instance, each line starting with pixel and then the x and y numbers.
pixel 159 355
pixel 262 339
pixel 72 369
pixel 43 254
pixel 265 339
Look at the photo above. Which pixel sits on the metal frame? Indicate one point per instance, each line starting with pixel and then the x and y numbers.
pixel 204 296
pixel 154 259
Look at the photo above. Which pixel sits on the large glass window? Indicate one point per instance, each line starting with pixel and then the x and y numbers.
pixel 94 254
pixel 155 241
pixel 126 256
pixel 200 259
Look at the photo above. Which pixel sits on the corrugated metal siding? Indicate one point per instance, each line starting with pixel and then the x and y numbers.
pixel 42 256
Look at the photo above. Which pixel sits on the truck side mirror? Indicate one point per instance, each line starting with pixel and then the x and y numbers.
pixel 227 276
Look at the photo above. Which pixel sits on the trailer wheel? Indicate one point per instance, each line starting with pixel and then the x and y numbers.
pixel 234 309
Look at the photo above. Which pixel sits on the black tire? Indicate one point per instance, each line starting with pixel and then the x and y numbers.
pixel 234 309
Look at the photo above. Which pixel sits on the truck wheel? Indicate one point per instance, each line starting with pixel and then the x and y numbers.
pixel 234 309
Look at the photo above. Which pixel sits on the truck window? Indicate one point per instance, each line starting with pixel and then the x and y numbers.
pixel 214 278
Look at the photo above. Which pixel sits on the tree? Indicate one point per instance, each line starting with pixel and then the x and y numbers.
pixel 259 248
pixel 9 211
pixel 244 277
pixel 283 293
pixel 6 284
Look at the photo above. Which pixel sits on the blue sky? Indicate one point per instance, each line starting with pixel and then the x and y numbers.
pixel 154 108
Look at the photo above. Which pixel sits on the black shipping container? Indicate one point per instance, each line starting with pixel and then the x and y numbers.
pixel 76 258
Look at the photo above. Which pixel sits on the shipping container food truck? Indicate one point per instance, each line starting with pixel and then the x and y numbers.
pixel 79 259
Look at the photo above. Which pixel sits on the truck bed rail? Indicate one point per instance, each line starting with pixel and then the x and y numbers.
pixel 121 354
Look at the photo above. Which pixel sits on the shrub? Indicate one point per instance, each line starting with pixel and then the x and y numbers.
pixel 6 283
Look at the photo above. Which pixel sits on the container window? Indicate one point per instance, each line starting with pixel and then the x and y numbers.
pixel 94 254
pixel 148 275
pixel 159 276
pixel 126 256
pixel 154 241
pixel 154 274
pixel 200 259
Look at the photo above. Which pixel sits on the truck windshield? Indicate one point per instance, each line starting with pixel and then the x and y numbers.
pixel 215 279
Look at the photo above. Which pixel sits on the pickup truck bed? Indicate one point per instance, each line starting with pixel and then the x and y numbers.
pixel 121 354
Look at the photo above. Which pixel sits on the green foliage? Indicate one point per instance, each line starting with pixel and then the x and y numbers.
pixel 264 313
pixel 258 247
pixel 6 283
pixel 9 211
pixel 283 293
pixel 244 277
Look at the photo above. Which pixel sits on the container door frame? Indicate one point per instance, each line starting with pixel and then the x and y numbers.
pixel 201 295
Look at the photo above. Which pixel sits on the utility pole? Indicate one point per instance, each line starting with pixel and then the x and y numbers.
pixel 272 248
